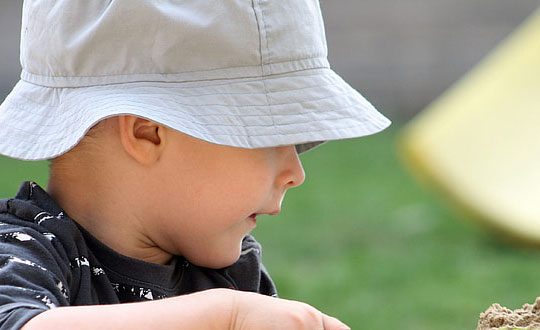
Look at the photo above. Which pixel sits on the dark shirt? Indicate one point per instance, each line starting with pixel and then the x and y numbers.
pixel 47 260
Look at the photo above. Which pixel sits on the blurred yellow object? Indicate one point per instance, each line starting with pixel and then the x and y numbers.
pixel 480 141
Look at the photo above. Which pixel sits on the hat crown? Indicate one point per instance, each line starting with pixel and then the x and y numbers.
pixel 72 43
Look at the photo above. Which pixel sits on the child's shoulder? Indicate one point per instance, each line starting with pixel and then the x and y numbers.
pixel 35 214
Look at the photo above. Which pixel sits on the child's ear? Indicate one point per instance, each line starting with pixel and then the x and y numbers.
pixel 141 138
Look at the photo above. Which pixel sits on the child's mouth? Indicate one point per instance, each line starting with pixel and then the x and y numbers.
pixel 253 217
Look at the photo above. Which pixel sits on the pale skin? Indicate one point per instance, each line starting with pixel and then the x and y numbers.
pixel 181 196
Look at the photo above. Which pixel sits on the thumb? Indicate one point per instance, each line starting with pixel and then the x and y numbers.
pixel 331 323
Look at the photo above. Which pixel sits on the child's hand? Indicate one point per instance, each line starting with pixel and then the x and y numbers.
pixel 255 311
pixel 210 309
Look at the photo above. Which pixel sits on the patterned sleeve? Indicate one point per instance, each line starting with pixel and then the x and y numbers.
pixel 31 278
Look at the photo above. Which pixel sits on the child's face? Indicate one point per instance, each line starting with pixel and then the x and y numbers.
pixel 210 196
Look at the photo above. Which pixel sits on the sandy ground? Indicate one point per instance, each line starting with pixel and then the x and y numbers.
pixel 499 317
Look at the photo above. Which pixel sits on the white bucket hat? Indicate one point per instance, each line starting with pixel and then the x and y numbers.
pixel 243 73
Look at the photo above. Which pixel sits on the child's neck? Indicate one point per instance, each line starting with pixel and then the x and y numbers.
pixel 92 200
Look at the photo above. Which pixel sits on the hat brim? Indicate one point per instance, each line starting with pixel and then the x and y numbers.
pixel 303 108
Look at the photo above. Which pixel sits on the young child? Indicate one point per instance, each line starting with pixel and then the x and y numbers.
pixel 171 126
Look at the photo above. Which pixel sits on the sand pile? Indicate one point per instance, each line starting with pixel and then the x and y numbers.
pixel 499 317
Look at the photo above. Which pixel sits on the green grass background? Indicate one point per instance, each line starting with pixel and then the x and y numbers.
pixel 362 241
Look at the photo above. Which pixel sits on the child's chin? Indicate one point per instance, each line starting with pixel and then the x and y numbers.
pixel 218 263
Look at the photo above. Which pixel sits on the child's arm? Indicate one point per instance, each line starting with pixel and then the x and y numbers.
pixel 211 309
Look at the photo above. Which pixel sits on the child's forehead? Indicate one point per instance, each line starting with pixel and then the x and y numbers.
pixel 242 73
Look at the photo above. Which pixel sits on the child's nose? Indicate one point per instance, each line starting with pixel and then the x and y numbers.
pixel 292 173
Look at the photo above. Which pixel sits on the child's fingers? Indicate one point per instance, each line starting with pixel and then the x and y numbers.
pixel 255 311
pixel 331 323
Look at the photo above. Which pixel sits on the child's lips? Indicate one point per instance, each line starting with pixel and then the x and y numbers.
pixel 254 215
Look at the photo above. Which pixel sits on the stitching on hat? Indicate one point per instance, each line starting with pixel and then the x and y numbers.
pixel 179 91
pixel 364 128
pixel 341 106
pixel 348 92
pixel 161 110
pixel 150 95
pixel 261 26
pixel 333 82
pixel 211 94
pixel 104 98
pixel 265 33
pixel 182 72
pixel 269 105
pixel 239 135
pixel 191 128
pixel 243 93
pixel 243 80
pixel 297 58
pixel 146 74
pixel 260 47
pixel 179 113
pixel 49 81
